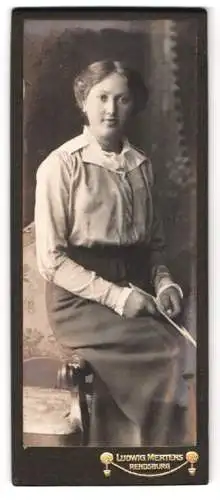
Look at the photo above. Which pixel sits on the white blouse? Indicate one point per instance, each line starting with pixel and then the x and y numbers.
pixel 85 196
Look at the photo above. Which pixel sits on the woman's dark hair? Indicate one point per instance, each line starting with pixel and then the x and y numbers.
pixel 97 71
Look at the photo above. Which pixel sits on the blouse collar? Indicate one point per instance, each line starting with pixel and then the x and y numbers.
pixel 129 158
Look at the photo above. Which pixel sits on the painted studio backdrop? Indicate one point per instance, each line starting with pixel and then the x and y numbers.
pixel 164 52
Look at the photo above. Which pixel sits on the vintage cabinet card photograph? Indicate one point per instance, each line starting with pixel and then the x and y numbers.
pixel 109 246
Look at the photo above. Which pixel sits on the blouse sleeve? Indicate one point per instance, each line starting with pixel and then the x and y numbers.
pixel 51 225
pixel 160 274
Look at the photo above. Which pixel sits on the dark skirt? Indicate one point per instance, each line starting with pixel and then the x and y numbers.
pixel 137 359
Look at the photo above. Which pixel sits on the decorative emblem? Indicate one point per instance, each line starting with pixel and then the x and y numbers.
pixel 106 458
pixel 192 457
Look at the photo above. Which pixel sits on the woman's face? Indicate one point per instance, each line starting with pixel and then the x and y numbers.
pixel 108 106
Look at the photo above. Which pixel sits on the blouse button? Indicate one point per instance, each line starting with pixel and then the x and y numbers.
pixel 123 174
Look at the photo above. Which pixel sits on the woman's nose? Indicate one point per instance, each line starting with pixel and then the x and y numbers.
pixel 110 106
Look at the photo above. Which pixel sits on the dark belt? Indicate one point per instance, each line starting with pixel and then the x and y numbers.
pixel 114 263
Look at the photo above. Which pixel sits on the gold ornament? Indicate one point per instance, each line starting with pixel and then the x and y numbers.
pixel 192 457
pixel 106 458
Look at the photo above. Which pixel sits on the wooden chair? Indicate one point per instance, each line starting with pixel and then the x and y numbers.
pixel 74 375
pixel 56 402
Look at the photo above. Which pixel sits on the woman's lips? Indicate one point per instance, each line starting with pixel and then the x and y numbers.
pixel 110 121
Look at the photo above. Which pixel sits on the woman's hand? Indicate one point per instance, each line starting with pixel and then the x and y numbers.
pixel 138 304
pixel 170 302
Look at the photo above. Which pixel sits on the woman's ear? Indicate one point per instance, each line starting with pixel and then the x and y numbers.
pixel 84 107
pixel 84 113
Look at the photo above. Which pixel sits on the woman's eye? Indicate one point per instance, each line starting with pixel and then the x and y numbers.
pixel 125 100
pixel 103 97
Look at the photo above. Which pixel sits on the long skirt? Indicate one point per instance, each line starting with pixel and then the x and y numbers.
pixel 137 360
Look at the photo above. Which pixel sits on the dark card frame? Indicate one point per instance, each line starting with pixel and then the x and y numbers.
pixel 81 466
